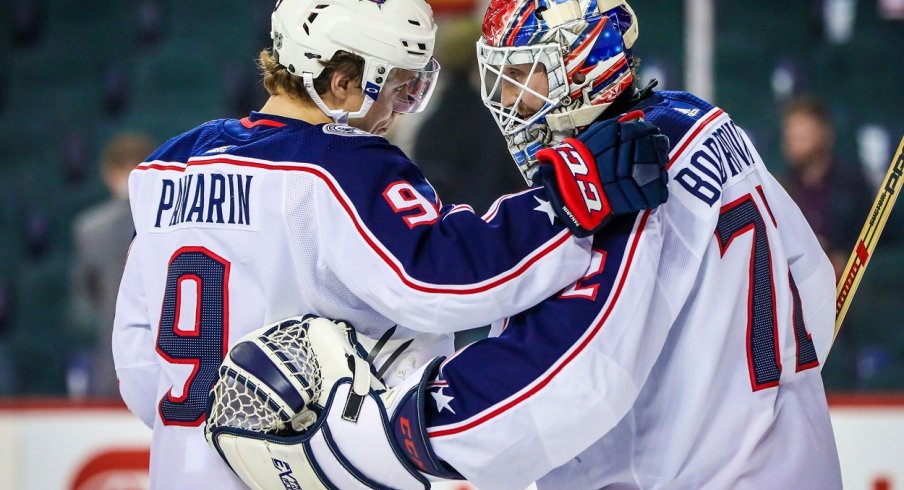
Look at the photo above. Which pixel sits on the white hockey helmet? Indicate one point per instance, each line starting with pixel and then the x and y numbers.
pixel 388 34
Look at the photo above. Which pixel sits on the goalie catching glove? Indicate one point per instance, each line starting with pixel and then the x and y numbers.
pixel 297 406
pixel 613 168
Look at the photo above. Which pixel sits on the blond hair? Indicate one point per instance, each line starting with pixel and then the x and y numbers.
pixel 279 81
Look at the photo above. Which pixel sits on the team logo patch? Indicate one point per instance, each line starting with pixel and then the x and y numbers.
pixel 344 130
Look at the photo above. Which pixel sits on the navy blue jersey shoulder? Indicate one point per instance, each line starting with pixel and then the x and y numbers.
pixel 188 144
pixel 675 113
pixel 359 161
pixel 352 156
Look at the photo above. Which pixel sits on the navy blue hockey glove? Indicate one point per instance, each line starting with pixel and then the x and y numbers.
pixel 614 167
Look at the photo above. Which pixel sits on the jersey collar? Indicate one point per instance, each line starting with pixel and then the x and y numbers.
pixel 259 119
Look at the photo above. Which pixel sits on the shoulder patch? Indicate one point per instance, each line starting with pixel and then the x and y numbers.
pixel 344 130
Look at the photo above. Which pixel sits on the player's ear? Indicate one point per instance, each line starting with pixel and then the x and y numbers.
pixel 341 85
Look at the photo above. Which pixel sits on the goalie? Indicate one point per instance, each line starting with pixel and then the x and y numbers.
pixel 688 356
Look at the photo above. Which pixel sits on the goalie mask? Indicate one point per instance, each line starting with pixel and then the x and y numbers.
pixel 390 35
pixel 551 67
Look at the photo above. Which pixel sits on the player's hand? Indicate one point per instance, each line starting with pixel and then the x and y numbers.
pixel 614 167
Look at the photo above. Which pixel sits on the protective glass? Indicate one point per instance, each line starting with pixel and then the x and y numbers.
pixel 414 96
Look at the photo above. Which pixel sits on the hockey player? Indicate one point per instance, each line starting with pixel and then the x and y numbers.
pixel 687 357
pixel 303 207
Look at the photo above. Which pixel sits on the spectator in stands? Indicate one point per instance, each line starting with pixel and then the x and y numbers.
pixel 102 237
pixel 833 195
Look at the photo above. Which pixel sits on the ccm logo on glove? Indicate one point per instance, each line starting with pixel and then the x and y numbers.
pixel 613 168
pixel 585 177
pixel 409 443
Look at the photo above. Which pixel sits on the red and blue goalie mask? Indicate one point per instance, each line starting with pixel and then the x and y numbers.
pixel 581 47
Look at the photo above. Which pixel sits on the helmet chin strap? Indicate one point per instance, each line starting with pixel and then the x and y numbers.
pixel 339 116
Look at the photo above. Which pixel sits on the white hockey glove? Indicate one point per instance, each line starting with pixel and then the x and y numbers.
pixel 297 406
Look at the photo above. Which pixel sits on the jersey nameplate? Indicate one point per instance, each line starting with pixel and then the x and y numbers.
pixel 720 158
pixel 218 200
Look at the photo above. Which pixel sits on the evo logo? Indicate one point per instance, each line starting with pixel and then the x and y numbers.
pixel 285 474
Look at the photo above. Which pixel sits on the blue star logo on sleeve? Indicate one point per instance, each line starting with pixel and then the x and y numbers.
pixel 545 207
pixel 443 401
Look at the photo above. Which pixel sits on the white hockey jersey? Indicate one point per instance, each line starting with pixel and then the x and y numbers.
pixel 240 223
pixel 688 357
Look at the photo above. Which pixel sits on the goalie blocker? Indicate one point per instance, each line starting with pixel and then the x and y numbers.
pixel 297 406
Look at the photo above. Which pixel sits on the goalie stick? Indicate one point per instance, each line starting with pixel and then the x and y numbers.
pixel 869 236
